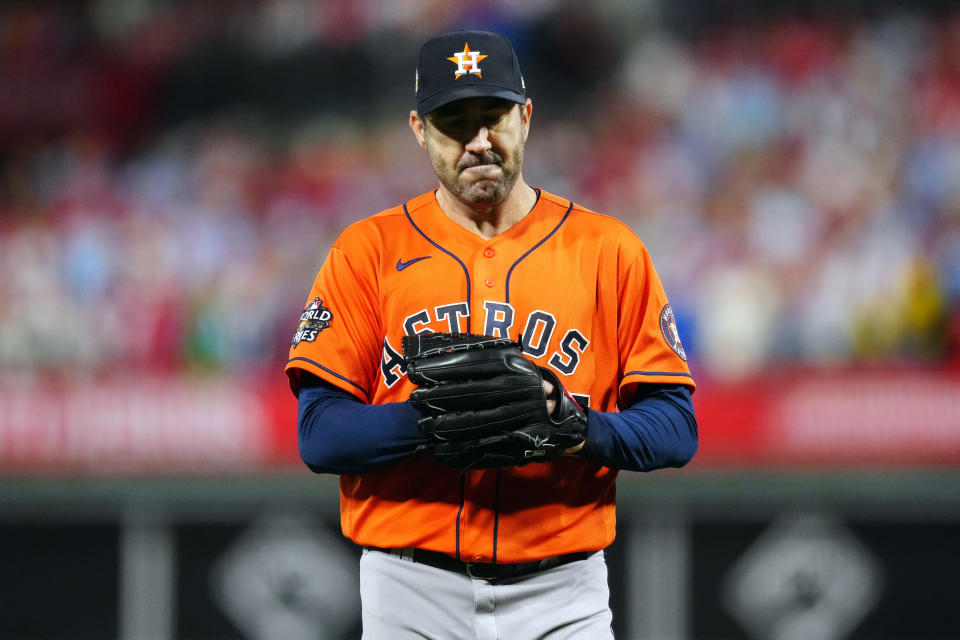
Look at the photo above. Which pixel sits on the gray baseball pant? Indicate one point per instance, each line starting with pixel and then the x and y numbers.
pixel 406 600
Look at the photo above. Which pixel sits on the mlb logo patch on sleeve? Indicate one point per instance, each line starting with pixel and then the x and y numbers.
pixel 314 319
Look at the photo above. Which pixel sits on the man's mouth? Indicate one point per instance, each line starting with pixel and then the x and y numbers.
pixel 485 160
pixel 482 169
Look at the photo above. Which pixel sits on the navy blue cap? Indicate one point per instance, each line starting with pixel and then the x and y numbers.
pixel 467 64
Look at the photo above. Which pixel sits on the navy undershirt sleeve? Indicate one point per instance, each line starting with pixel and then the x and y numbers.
pixel 339 434
pixel 658 430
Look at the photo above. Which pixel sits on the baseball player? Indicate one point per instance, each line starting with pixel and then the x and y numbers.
pixel 477 364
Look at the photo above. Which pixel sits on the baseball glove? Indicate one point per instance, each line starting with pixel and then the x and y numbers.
pixel 483 402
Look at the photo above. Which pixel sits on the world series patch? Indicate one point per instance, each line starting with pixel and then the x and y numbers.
pixel 314 319
pixel 668 327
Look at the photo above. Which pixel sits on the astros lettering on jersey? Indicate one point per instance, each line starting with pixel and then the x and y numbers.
pixel 411 269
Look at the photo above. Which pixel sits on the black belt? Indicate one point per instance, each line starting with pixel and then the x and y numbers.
pixel 482 570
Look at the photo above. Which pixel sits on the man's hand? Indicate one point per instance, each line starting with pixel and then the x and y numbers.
pixel 548 389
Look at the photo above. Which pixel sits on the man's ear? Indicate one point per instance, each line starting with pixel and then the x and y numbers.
pixel 417 125
pixel 526 112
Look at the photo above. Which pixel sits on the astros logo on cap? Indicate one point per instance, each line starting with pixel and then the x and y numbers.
pixel 467 61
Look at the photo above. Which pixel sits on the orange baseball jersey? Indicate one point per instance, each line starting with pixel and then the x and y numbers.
pixel 576 288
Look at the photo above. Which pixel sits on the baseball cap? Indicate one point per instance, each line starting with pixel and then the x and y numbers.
pixel 467 64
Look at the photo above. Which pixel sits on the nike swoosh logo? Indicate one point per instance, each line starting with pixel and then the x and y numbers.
pixel 401 265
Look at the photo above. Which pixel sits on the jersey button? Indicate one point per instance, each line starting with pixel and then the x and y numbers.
pixel 489 252
pixel 489 282
pixel 477 558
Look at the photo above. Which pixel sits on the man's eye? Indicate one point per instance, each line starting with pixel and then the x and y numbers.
pixel 494 119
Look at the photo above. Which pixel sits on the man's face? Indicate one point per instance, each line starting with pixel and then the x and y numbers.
pixel 476 147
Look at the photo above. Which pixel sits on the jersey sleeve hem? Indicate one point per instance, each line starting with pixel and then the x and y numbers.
pixel 658 373
pixel 324 373
pixel 676 377
pixel 631 378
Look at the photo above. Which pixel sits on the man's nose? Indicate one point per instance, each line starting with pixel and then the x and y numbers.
pixel 480 142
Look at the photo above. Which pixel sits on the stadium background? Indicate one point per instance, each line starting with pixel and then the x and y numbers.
pixel 172 173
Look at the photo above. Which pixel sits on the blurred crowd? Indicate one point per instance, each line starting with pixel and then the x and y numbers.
pixel 796 178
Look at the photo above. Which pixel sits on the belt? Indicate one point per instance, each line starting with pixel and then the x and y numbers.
pixel 482 570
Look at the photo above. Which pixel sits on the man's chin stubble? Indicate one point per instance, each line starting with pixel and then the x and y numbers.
pixel 485 194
